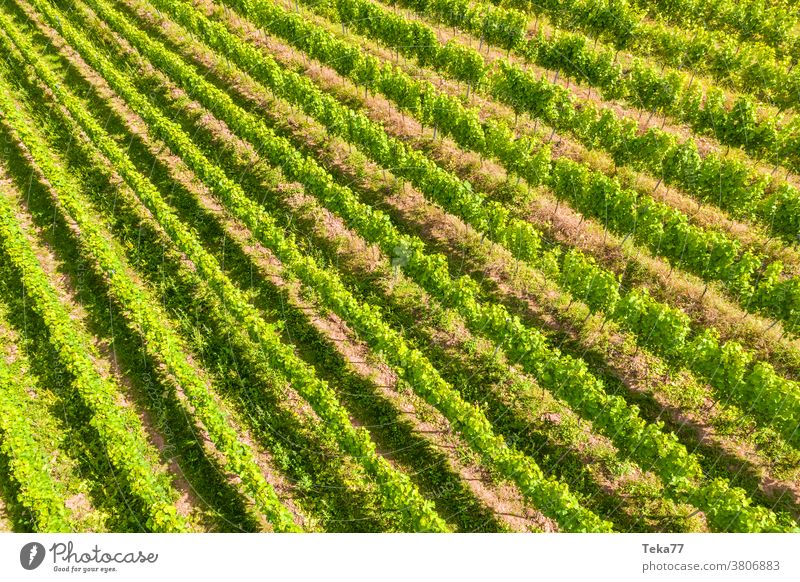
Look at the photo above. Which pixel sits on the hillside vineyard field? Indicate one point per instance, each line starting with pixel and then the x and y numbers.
pixel 400 265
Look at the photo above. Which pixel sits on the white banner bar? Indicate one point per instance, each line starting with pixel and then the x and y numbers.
pixel 362 557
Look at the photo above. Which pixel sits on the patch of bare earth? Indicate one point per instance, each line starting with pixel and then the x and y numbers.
pixel 80 506
pixel 5 519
